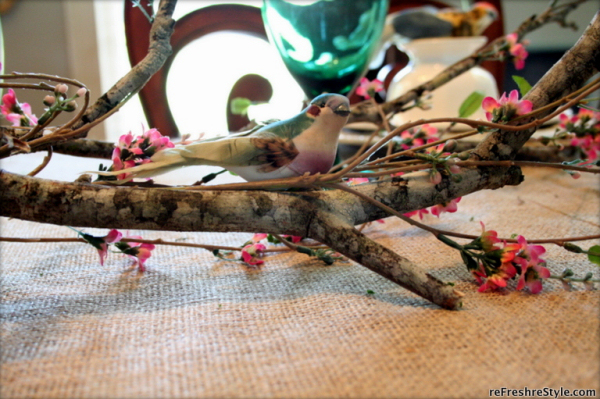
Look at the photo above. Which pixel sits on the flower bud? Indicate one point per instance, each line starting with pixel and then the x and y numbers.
pixel 566 285
pixel 61 88
pixel 567 273
pixel 81 92
pixel 71 106
pixel 49 100
pixel 435 177
pixel 464 156
pixel 573 248
pixel 450 145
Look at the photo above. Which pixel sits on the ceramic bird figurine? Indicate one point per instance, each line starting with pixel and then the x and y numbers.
pixel 421 22
pixel 304 143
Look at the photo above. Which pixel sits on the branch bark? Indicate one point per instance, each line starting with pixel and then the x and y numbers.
pixel 327 216
pixel 134 80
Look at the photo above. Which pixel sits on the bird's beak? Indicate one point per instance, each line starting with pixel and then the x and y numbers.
pixel 341 109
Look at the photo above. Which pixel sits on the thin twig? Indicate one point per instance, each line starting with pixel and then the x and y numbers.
pixel 154 242
pixel 437 232
pixel 44 163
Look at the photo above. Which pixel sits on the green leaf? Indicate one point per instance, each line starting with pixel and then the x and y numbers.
pixel 272 239
pixel 370 292
pixel 523 84
pixel 471 104
pixel 240 105
pixel 593 254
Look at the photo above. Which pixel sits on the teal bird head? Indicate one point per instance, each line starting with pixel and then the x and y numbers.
pixel 335 103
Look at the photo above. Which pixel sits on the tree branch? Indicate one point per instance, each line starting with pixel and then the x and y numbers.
pixel 571 72
pixel 344 238
pixel 158 52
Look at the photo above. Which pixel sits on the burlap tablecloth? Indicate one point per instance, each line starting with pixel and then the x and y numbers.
pixel 194 326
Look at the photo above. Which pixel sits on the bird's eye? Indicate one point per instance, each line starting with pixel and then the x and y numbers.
pixel 321 105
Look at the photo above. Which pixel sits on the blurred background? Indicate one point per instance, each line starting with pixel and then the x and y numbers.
pixel 85 40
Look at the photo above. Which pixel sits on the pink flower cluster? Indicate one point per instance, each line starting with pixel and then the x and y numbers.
pixel 501 264
pixel 140 252
pixel 131 151
pixel 437 210
pixel 252 252
pixel 19 114
pixel 422 135
pixel 585 126
pixel 505 108
pixel 367 88
pixel 517 50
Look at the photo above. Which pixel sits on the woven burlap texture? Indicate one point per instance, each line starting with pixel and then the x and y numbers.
pixel 194 326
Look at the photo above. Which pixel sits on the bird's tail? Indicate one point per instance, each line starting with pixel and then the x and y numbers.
pixel 168 160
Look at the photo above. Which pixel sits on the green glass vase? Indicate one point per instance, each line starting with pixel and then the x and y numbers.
pixel 326 44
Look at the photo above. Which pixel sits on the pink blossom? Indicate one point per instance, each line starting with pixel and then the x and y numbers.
pixel 118 164
pixel 367 88
pixel 425 134
pixel 140 252
pixel 112 237
pixel 259 237
pixel 585 119
pixel 297 239
pixel 532 266
pixel 157 140
pixel 505 272
pixel 125 140
pixel 9 102
pixel 138 150
pixel 437 150
pixel 566 118
pixel 144 251
pixel 505 108
pixel 517 50
pixel 19 114
pixel 418 212
pixel 251 252
pixel 505 256
pixel 353 181
pixel 585 127
pixel 450 207
pixel 489 239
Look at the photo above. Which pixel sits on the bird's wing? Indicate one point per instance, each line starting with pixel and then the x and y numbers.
pixel 420 23
pixel 265 149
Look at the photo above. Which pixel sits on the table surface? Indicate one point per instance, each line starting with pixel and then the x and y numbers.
pixel 199 327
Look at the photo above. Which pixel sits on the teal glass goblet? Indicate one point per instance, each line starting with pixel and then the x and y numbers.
pixel 325 44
